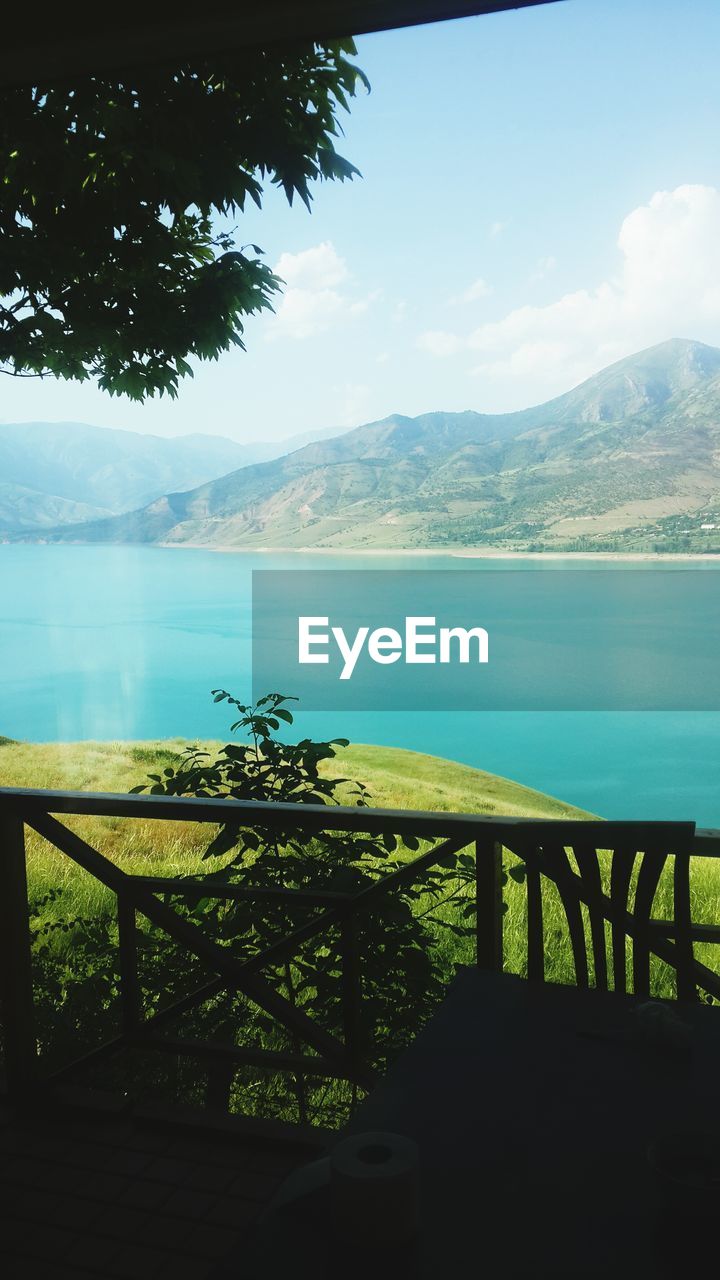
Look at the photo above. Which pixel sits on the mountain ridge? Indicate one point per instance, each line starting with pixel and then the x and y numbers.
pixel 55 473
pixel 626 451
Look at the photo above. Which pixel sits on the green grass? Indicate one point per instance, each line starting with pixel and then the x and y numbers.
pixel 142 847
pixel 400 779
pixel 396 779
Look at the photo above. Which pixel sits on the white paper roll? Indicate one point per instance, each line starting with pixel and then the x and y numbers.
pixel 375 1188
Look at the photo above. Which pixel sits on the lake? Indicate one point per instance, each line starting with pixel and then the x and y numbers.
pixel 127 642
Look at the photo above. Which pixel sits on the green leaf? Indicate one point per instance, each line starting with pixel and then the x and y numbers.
pixel 518 873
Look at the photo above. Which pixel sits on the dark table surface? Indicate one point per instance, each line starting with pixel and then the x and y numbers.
pixel 534 1107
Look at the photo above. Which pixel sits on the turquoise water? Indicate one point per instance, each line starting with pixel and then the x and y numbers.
pixel 126 642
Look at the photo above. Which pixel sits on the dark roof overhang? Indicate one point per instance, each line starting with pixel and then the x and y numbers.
pixel 66 44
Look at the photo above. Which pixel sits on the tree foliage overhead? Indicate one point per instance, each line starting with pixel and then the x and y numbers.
pixel 111 261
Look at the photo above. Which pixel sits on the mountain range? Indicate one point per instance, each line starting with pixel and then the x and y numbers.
pixel 630 458
pixel 54 473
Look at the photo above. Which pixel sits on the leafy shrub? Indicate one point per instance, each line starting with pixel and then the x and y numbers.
pixel 403 972
pixel 403 969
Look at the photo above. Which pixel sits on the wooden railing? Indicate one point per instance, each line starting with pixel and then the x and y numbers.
pixel 541 845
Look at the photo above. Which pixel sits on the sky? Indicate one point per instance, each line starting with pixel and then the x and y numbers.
pixel 540 196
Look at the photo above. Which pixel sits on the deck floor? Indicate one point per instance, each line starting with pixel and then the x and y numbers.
pixel 114 1197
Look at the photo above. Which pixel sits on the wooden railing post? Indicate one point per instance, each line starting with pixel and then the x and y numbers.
pixel 127 946
pixel 489 904
pixel 682 914
pixel 351 990
pixel 16 987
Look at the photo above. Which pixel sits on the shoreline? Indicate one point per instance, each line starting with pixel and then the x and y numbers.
pixel 454 553
pixel 460 553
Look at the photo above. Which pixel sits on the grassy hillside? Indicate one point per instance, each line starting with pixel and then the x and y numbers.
pixel 410 780
pixel 396 778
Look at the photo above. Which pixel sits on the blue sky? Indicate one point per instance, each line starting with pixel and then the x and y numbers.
pixel 540 196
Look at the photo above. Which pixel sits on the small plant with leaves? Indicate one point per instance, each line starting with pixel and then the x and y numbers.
pixel 75 977
pixel 403 970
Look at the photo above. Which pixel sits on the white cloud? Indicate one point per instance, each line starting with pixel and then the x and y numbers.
pixel 543 267
pixel 496 229
pixel 439 343
pixel 318 268
pixel 478 289
pixel 363 304
pixel 317 293
pixel 668 285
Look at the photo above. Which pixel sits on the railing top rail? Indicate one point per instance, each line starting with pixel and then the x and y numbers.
pixel 707 842
pixel 26 801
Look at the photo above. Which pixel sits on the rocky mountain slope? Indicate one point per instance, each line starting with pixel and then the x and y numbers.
pixel 633 453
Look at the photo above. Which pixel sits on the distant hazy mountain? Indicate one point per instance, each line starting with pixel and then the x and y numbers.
pixel 69 471
pixel 63 472
pixel 635 448
pixel 22 508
